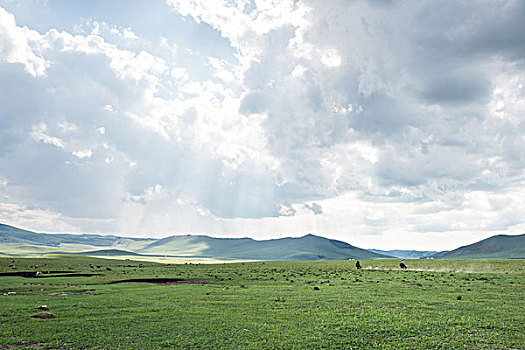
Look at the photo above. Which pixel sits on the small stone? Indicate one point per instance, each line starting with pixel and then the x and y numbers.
pixel 43 315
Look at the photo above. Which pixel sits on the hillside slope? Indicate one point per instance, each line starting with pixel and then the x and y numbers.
pixel 496 247
pixel 10 234
pixel 22 242
pixel 309 247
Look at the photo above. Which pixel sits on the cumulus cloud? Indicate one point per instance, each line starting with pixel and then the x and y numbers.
pixel 345 119
pixel 20 45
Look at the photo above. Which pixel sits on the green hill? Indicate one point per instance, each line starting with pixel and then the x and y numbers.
pixel 308 247
pixel 496 247
pixel 10 234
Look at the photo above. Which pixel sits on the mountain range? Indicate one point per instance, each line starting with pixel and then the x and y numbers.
pixel 18 242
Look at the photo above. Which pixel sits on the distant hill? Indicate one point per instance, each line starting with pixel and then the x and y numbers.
pixel 15 241
pixel 10 234
pixel 496 247
pixel 309 247
pixel 406 254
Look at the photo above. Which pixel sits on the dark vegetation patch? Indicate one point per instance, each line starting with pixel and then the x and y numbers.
pixel 161 281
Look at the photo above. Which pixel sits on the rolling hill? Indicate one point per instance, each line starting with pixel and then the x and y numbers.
pixel 10 234
pixel 18 242
pixel 495 247
pixel 310 247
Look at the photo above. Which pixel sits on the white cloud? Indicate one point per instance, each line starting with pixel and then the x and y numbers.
pixel 83 153
pixel 353 120
pixel 20 45
pixel 330 58
pixel 38 134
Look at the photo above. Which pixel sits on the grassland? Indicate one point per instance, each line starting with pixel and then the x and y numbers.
pixel 436 304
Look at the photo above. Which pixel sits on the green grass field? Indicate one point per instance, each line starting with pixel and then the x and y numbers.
pixel 436 304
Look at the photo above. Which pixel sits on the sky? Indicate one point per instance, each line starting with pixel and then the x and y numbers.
pixel 384 124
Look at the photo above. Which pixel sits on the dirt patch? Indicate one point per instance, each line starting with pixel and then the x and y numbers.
pixel 49 284
pixel 324 283
pixel 415 285
pixel 45 274
pixel 161 281
pixel 24 345
pixel 89 291
pixel 72 275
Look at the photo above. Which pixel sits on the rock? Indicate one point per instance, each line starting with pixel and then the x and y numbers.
pixel 43 315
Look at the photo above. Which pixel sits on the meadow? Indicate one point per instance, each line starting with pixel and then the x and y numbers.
pixel 435 304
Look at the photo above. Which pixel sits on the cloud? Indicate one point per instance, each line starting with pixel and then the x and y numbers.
pixel 200 145
pixel 38 134
pixel 315 208
pixel 20 45
pixel 348 118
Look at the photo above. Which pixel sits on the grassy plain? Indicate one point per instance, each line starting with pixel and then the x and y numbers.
pixel 436 304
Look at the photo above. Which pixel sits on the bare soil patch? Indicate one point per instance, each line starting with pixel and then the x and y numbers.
pixel 161 281
pixel 46 274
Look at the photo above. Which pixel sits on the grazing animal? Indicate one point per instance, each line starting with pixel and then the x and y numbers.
pixel 358 264
pixel 402 265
